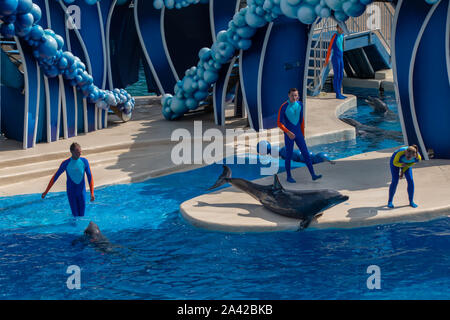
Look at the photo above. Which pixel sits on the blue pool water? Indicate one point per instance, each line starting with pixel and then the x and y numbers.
pixel 162 257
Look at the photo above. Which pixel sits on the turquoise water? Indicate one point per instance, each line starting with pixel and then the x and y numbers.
pixel 163 257
pixel 140 88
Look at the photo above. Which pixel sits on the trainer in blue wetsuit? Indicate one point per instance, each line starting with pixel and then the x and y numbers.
pixel 337 58
pixel 290 120
pixel 403 158
pixel 76 168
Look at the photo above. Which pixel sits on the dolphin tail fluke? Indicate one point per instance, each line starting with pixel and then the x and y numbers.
pixel 226 174
pixel 305 223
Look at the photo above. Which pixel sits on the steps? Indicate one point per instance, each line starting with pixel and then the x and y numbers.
pixel 108 166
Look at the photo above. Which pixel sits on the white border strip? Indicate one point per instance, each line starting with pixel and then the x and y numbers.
pixel 225 87
pixel 88 60
pixel 48 110
pixel 82 44
pixel 46 85
pixel 144 49
pixel 58 124
pixel 411 78
pixel 49 20
pixel 212 23
pixel 26 89
pixel 166 50
pixel 260 73
pixel 108 47
pixel 76 109
pixel 305 72
pixel 38 103
pixel 447 42
pixel 85 116
pixel 102 32
pixel 227 77
pixel 64 106
pixel 244 95
pixel 58 121
pixel 69 48
pixel 394 70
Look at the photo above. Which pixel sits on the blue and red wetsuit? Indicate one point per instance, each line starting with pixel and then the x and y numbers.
pixel 76 188
pixel 337 58
pixel 290 118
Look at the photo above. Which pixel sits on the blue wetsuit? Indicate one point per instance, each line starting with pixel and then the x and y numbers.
pixel 397 160
pixel 290 118
pixel 76 188
pixel 337 58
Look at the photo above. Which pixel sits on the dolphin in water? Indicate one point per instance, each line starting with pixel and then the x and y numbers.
pixel 380 108
pixel 93 236
pixel 373 132
pixel 301 204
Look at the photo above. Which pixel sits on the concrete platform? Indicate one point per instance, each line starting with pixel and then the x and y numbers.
pixel 383 80
pixel 365 178
pixel 322 119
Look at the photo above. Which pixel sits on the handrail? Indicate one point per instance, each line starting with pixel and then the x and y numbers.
pixel 324 29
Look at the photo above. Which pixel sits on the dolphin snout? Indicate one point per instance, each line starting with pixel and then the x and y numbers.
pixel 341 198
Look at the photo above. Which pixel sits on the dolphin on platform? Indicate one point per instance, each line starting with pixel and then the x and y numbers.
pixel 373 132
pixel 300 204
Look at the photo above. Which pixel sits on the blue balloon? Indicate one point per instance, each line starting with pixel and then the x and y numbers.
pixel 24 20
pixel 48 48
pixel 24 6
pixel 36 32
pixel 36 12
pixel 8 7
pixel 8 30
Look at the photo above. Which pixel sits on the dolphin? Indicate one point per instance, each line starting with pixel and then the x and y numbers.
pixel 302 204
pixel 373 132
pixel 93 236
pixel 380 108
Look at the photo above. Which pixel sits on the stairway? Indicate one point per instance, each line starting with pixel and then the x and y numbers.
pixel 366 48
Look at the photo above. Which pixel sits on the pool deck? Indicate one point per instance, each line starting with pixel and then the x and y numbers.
pixel 141 148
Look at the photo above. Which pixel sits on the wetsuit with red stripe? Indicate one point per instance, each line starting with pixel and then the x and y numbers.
pixel 76 188
pixel 337 58
pixel 295 124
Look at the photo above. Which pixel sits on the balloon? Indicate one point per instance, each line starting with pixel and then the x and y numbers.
pixel 8 7
pixel 24 6
pixel 48 48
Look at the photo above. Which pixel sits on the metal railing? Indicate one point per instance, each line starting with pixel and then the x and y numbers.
pixel 377 18
pixel 10 48
pixel 321 38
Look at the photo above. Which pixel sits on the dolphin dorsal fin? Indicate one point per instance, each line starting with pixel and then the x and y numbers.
pixel 276 183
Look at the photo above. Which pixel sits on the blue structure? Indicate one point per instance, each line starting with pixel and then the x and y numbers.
pixel 65 95
pixel 422 72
